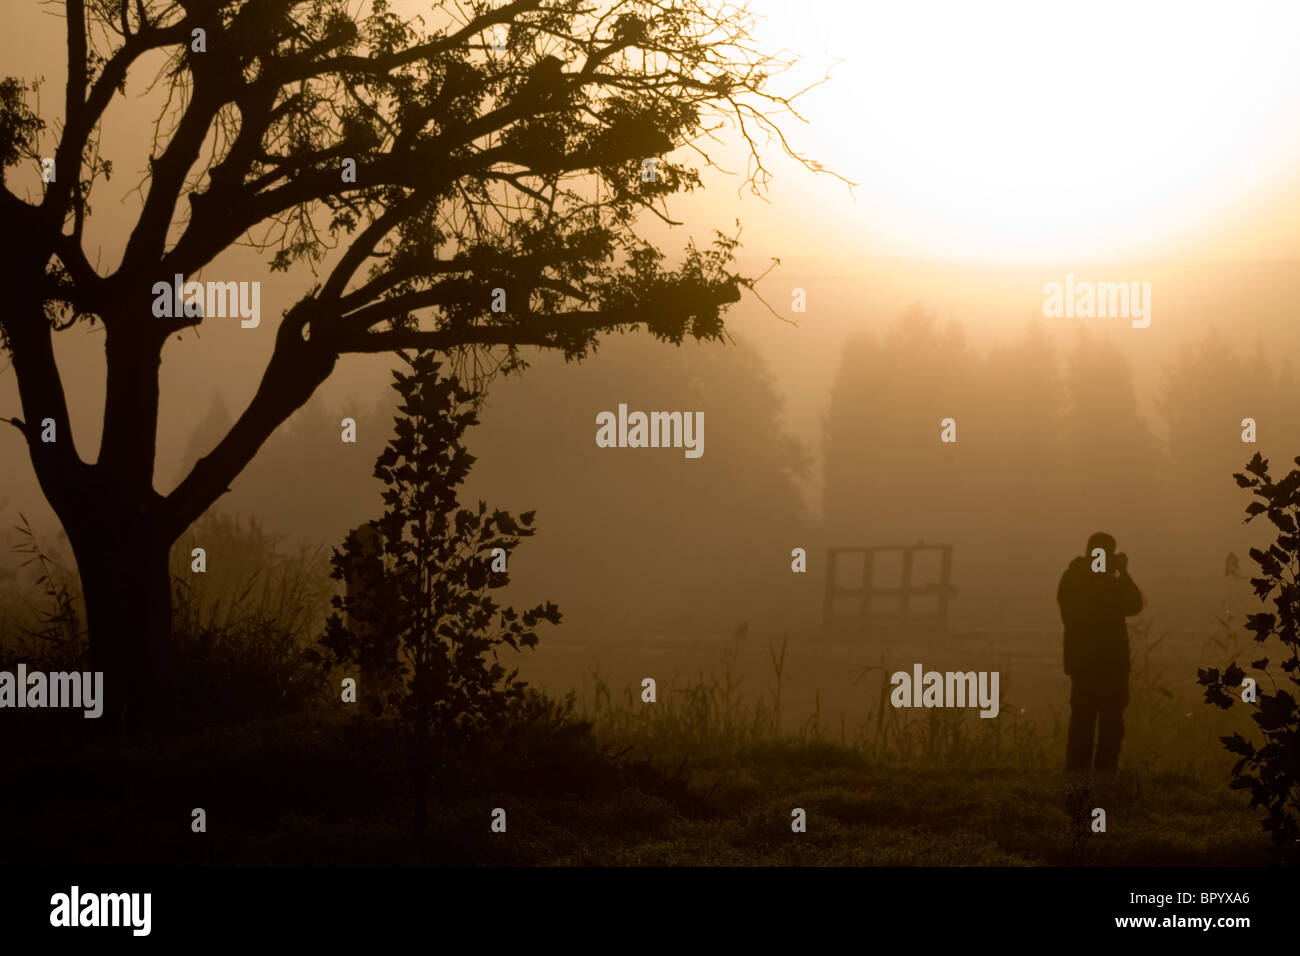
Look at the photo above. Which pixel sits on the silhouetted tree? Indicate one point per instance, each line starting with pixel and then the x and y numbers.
pixel 297 482
pixel 415 172
pixel 208 432
pixel 882 435
pixel 1041 444
pixel 1210 389
pixel 1271 771
pixel 421 623
pixel 1106 436
pixel 648 540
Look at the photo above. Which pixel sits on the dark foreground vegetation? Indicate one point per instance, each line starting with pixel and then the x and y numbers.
pixel 287 770
pixel 295 790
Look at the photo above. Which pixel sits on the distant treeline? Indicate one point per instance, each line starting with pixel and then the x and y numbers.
pixel 1050 446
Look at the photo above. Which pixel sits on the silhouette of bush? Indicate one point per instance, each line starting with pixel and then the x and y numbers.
pixel 241 626
pixel 420 624
pixel 1271 771
pixel 47 633
pixel 238 629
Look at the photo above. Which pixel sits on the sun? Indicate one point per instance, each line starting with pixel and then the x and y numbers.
pixel 1024 132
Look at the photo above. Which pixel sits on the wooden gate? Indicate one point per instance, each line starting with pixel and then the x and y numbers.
pixel 891 604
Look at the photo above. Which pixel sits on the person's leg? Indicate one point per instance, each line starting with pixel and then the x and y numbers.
pixel 1110 733
pixel 1083 718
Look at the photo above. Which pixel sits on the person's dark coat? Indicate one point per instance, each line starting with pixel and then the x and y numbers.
pixel 1093 607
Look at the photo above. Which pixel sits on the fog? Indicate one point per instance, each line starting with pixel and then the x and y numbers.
pixel 822 425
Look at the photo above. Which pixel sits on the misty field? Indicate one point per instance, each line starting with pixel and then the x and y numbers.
pixel 744 731
pixel 768 728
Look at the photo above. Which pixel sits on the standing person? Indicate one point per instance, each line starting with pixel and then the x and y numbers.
pixel 1095 595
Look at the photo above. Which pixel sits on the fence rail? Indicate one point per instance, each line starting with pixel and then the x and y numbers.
pixel 868 594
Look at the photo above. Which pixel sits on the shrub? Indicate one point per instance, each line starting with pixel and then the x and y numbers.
pixel 240 627
pixel 419 616
pixel 1271 770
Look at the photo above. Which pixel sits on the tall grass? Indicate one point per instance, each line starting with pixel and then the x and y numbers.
pixel 41 610
pixel 240 626
pixel 713 716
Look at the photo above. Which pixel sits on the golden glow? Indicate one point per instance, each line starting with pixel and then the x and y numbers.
pixel 1043 131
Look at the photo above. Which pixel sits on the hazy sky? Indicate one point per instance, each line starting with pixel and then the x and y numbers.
pixel 1031 132
pixel 995 147
pixel 999 133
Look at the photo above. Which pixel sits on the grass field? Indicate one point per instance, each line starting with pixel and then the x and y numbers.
pixel 746 728
pixel 707 775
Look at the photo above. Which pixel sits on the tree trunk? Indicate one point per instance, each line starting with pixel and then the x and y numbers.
pixel 126 584
pixel 112 517
pixel 420 785
pixel 120 528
